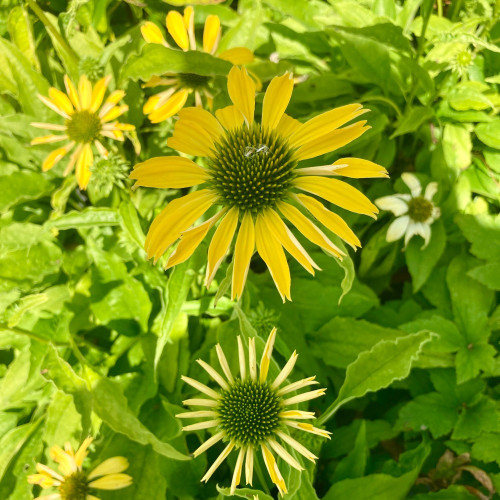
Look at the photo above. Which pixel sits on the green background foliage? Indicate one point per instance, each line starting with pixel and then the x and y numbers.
pixel 94 338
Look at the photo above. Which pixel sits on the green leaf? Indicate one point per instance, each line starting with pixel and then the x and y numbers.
pixel 21 33
pixel 130 222
pixel 87 218
pixel 243 493
pixel 354 464
pixel 22 185
pixel 478 229
pixel 157 60
pixel 473 421
pixel 488 275
pixel 487 447
pixel 474 358
pixel 412 120
pixel 457 146
pixel 489 133
pixel 454 492
pixel 63 422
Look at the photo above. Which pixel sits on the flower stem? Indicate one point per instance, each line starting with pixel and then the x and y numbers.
pixel 261 476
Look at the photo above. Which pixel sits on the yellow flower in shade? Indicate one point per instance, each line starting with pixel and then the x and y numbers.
pixel 252 173
pixel 87 120
pixel 181 28
pixel 250 413
pixel 72 482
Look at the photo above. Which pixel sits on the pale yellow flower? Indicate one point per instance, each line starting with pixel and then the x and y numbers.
pixel 181 28
pixel 72 482
pixel 87 120
pixel 250 413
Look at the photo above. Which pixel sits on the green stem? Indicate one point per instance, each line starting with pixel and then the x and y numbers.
pixel 383 99
pixel 32 335
pixel 50 28
pixel 440 8
pixel 260 475
pixel 328 414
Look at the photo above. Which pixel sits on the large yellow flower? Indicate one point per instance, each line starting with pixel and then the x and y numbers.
pixel 253 174
pixel 87 120
pixel 249 412
pixel 72 482
pixel 181 28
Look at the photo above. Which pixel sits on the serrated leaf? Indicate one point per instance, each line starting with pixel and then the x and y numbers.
pixel 87 218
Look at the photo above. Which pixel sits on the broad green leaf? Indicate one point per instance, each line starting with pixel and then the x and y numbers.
pixel 488 275
pixel 457 146
pixel 21 33
pixel 243 493
pixel 63 422
pixel 11 443
pixel 412 121
pixel 478 229
pixel 473 421
pixel 130 223
pixel 21 186
pixel 487 447
pixel 354 464
pixel 385 8
pixel 310 13
pixel 453 492
pixel 489 133
pixel 88 218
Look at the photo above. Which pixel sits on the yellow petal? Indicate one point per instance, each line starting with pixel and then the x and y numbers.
pixel 112 465
pixel 325 123
pixel 71 91
pixel 272 254
pixel 170 172
pixel 82 451
pixel 61 100
pixel 115 97
pixel 331 141
pixel 66 462
pixel 339 193
pixel 83 164
pixel 357 168
pixel 272 469
pixel 189 24
pixel 171 107
pixel 332 221
pixel 308 229
pixel 204 118
pixel 237 56
pixel 244 248
pixel 191 138
pixel 85 92
pixel 53 157
pixel 266 356
pixel 177 29
pixel 211 34
pixel 241 90
pixel 48 139
pixel 287 126
pixel 219 245
pixel 151 104
pixel 98 93
pixel 288 240
pixel 190 241
pixel 230 117
pixel 114 113
pixel 276 100
pixel 112 482
pixel 176 217
pixel 152 34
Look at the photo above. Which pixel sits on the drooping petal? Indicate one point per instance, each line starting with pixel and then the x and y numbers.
pixel 276 100
pixel 411 231
pixel 397 228
pixel 237 56
pixel 170 108
pixel 271 252
pixel 113 465
pixel 272 469
pixel 245 246
pixel 249 465
pixel 230 117
pixel 209 443
pixel 83 163
pixel 357 168
pixel 284 454
pixel 303 426
pixel 152 34
pixel 177 29
pixel 393 203
pixel 331 141
pixel 296 446
pixel 227 450
pixel 211 34
pixel 339 193
pixel 112 482
pixel 266 356
pixel 413 183
pixel 170 172
pixel 237 471
pixel 241 89
pixel 332 221
pixel 430 190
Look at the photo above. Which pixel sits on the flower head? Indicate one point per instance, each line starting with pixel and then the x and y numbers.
pixel 253 175
pixel 414 212
pixel 87 120
pixel 72 482
pixel 250 412
pixel 161 106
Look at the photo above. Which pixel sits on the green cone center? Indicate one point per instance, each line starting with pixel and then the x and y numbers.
pixel 420 209
pixel 74 487
pixel 252 169
pixel 249 412
pixel 83 126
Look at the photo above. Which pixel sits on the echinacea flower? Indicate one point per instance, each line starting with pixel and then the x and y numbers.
pixel 414 212
pixel 87 120
pixel 72 482
pixel 165 104
pixel 251 413
pixel 252 173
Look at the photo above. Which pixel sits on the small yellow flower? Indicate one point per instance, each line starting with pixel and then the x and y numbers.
pixel 72 482
pixel 252 174
pixel 250 412
pixel 181 28
pixel 87 120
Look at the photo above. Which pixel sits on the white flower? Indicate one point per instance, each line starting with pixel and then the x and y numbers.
pixel 414 213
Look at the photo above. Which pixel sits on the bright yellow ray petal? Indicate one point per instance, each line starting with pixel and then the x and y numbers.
pixel 332 221
pixel 219 245
pixel 71 91
pixel 152 34
pixel 54 156
pixel 112 482
pixel 191 138
pixel 308 229
pixel 85 92
pixel 171 107
pixel 48 139
pixel 339 193
pixel 241 90
pixel 170 172
pixel 244 248
pixel 177 29
pixel 98 93
pixel 211 34
pixel 61 100
pixel 357 168
pixel 113 465
pixel 266 356
pixel 114 113
pixel 287 126
pixel 272 469
pixel 272 254
pixel 204 118
pixel 82 451
pixel 276 100
pixel 331 141
pixel 237 56
pixel 230 117
pixel 176 217
pixel 83 164
pixel 325 123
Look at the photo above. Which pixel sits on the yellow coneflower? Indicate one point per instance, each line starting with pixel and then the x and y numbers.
pixel 181 28
pixel 72 482
pixel 253 174
pixel 250 412
pixel 87 120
